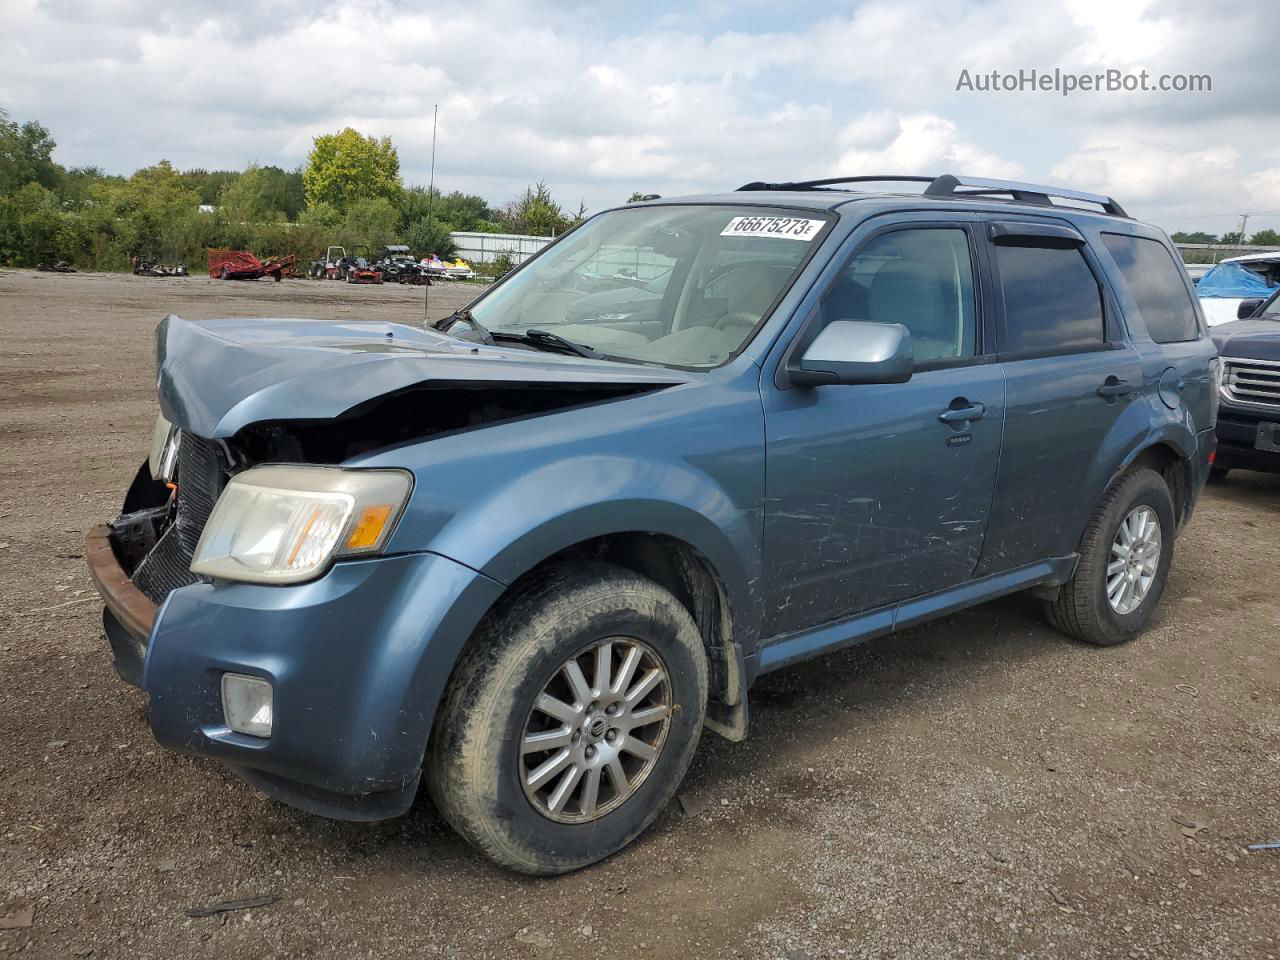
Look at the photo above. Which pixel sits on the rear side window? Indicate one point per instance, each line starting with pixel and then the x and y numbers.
pixel 1155 281
pixel 1052 302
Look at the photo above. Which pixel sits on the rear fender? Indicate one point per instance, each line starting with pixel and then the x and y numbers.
pixel 1133 432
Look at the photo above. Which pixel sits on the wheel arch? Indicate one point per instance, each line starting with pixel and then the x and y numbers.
pixel 696 581
pixel 1167 457
pixel 1167 449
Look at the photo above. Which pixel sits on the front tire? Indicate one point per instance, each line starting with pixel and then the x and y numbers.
pixel 570 719
pixel 1125 556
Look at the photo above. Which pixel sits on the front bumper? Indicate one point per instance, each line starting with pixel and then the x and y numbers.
pixel 357 660
pixel 1237 435
pixel 128 616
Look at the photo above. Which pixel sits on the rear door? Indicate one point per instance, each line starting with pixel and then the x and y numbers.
pixel 1070 374
pixel 880 492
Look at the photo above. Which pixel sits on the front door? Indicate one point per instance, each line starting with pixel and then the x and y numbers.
pixel 878 493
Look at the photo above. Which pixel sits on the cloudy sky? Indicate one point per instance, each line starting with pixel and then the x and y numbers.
pixel 602 98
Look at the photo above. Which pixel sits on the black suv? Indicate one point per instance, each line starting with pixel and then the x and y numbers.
pixel 1249 421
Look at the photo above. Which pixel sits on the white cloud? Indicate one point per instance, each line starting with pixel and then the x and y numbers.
pixel 1120 34
pixel 1263 189
pixel 1143 172
pixel 697 96
pixel 1205 185
pixel 917 143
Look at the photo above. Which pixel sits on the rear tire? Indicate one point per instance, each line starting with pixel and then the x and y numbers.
pixel 1095 606
pixel 550 806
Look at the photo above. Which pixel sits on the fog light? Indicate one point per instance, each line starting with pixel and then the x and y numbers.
pixel 246 704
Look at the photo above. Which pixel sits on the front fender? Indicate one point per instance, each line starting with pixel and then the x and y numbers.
pixel 563 503
pixel 686 462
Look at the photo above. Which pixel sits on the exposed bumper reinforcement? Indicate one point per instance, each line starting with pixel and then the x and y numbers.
pixel 130 614
pixel 132 608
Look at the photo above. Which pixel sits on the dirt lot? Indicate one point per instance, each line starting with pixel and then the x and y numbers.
pixel 979 787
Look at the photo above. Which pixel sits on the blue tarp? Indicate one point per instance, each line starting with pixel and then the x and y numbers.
pixel 1232 280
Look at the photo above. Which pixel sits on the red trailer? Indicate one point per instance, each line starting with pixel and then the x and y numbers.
pixel 242 265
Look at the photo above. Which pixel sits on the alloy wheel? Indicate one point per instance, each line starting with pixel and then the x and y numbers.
pixel 1135 560
pixel 595 731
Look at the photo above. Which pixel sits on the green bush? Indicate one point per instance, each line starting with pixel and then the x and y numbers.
pixel 353 195
pixel 426 237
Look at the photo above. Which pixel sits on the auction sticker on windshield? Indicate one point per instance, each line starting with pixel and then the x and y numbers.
pixel 788 228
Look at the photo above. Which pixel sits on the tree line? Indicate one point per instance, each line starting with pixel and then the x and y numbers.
pixel 349 192
pixel 1263 238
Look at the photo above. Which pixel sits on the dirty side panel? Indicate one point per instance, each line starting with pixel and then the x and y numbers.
pixel 870 498
pixel 1057 433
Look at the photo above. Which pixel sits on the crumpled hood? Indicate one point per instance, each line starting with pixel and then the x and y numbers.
pixel 216 376
pixel 1248 339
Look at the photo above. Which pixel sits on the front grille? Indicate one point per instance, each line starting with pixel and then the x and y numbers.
pixel 1251 381
pixel 200 478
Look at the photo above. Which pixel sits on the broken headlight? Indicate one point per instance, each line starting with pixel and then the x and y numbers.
pixel 284 524
pixel 164 449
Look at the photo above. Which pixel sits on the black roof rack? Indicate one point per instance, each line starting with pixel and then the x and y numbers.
pixel 949 185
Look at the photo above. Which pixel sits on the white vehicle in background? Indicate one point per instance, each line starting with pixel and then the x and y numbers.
pixel 1234 280
pixel 1198 270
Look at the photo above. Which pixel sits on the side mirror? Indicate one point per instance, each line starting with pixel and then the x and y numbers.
pixel 1248 308
pixel 853 351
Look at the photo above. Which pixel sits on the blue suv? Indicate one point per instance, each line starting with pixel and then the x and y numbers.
pixel 527 554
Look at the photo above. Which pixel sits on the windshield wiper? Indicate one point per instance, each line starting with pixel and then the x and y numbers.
pixel 544 339
pixel 458 316
pixel 464 316
pixel 548 340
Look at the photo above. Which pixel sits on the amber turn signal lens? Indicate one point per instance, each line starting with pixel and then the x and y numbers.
pixel 368 527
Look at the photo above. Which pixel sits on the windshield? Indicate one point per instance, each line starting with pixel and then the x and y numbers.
pixel 679 285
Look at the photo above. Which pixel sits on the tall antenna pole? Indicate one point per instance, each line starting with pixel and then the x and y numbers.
pixel 431 199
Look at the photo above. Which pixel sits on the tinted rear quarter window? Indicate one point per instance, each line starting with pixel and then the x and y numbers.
pixel 1051 299
pixel 1155 281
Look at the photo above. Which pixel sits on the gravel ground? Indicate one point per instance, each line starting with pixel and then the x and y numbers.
pixel 979 787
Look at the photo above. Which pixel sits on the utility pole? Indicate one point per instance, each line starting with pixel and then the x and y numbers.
pixel 431 199
pixel 1244 219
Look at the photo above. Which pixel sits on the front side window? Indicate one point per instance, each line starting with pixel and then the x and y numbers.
pixel 1155 281
pixel 920 278
pixel 1052 302
pixel 1271 310
pixel 678 285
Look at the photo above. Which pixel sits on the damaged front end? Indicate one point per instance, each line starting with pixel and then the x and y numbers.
pixel 243 394
pixel 145 553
